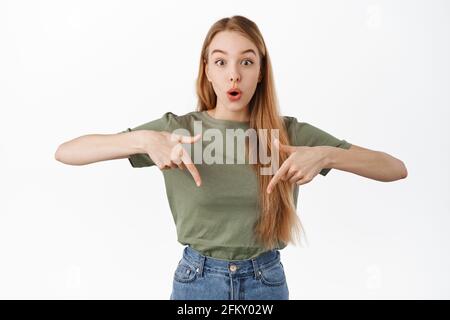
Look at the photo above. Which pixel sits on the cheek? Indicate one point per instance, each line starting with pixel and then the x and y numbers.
pixel 253 83
pixel 253 77
pixel 213 82
pixel 216 80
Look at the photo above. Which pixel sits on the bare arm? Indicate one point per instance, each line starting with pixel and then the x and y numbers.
pixel 376 165
pixel 164 148
pixel 100 147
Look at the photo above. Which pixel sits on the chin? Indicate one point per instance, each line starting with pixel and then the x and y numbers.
pixel 236 106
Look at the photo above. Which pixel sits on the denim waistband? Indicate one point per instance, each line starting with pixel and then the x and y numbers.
pixel 253 265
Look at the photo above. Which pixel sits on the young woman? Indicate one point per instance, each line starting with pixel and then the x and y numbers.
pixel 234 218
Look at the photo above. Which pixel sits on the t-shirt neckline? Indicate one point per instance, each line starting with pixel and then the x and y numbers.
pixel 222 122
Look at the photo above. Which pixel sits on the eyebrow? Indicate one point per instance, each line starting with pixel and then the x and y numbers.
pixel 224 52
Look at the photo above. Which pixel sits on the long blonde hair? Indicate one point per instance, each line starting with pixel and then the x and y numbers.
pixel 278 221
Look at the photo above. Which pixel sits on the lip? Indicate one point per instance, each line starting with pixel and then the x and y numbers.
pixel 236 97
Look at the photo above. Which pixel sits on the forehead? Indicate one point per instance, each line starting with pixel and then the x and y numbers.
pixel 231 43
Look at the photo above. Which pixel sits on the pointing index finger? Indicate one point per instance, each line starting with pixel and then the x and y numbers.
pixel 281 171
pixel 191 167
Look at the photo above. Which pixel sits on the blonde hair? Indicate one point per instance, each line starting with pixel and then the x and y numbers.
pixel 278 221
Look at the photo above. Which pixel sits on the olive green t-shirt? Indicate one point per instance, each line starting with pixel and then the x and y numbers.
pixel 217 218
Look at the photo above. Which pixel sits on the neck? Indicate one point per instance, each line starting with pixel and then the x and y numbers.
pixel 224 114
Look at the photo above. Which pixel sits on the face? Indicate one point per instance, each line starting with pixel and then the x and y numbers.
pixel 233 66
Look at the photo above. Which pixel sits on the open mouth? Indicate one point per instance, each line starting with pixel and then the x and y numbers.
pixel 234 94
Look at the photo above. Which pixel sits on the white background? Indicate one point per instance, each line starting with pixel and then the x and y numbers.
pixel 375 73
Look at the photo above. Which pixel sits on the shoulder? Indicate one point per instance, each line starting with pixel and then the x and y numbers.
pixel 185 118
pixel 298 130
pixel 289 124
pixel 292 123
pixel 175 121
pixel 288 120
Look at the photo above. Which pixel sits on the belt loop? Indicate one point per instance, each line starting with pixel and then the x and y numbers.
pixel 202 263
pixel 256 269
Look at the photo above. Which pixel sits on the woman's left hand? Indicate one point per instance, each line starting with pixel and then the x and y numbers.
pixel 302 165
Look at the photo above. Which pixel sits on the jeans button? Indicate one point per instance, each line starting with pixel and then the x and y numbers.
pixel 233 267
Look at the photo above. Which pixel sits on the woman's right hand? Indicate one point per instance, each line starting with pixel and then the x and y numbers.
pixel 166 151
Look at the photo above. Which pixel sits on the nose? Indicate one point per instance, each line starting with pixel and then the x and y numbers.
pixel 234 78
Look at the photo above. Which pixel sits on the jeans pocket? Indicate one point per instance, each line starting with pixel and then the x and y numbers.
pixel 273 275
pixel 185 272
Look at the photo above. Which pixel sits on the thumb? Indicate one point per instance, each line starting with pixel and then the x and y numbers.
pixel 190 139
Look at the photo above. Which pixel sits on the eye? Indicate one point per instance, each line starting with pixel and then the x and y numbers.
pixel 251 62
pixel 217 61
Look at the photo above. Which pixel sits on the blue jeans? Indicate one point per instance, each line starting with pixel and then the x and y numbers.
pixel 199 277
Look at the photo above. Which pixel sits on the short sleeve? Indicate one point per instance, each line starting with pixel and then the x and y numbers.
pixel 140 160
pixel 305 134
